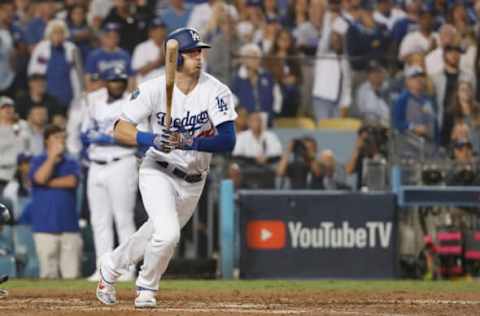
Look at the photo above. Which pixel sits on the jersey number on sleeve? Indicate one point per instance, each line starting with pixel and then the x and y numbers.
pixel 222 106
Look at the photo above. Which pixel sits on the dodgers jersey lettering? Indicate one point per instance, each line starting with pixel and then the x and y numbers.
pixel 100 118
pixel 208 105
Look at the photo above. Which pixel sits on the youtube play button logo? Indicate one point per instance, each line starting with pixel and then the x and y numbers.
pixel 266 235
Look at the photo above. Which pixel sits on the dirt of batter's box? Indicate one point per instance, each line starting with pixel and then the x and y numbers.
pixel 258 302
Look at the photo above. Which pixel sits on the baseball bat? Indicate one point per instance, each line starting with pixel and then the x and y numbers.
pixel 171 56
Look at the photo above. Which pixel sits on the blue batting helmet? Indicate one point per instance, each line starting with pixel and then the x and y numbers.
pixel 188 39
pixel 114 73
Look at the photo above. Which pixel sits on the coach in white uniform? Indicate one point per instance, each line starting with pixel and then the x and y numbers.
pixel 174 170
pixel 112 176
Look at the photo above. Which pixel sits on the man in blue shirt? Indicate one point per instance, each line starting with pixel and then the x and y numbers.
pixel 36 27
pixel 54 219
pixel 176 15
pixel 413 111
pixel 109 55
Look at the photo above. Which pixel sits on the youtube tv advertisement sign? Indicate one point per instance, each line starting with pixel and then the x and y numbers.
pixel 288 234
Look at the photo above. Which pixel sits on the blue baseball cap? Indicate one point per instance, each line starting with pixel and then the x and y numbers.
pixel 111 27
pixel 157 22
pixel 254 3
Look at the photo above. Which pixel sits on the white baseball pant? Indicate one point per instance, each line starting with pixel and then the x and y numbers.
pixel 169 202
pixel 112 192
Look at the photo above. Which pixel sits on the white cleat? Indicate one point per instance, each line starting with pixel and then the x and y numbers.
pixel 95 277
pixel 106 292
pixel 145 299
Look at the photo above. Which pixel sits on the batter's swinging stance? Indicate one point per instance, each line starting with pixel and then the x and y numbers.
pixel 173 173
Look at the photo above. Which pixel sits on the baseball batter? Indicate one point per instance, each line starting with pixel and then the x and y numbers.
pixel 173 173
pixel 111 164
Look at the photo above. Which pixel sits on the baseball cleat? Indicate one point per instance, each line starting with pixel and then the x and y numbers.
pixel 145 298
pixel 106 292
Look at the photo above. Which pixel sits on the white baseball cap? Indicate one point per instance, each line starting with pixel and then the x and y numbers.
pixel 4 100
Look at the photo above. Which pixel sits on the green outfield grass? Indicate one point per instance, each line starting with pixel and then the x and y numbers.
pixel 260 285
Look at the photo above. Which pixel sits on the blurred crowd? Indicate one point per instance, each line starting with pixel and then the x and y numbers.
pixel 408 66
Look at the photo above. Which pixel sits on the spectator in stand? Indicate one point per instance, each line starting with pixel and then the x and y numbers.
pixel 58 60
pixel 256 150
pixel 298 163
pixel 14 139
pixel 205 16
pixel 459 19
pixel 52 210
pixel 129 30
pixel 225 44
pixel 176 14
pixel 37 120
pixel 387 14
pixel 108 55
pixel 413 111
pixel 409 23
pixel 371 99
pixel 365 40
pixel 266 37
pixel 434 60
pixel 332 94
pixel 254 86
pixel 7 51
pixel 97 11
pixel 17 26
pixel 252 21
pixel 23 13
pixel 35 31
pixel 306 29
pixel 286 70
pixel 80 33
pixel 439 9
pixel 37 94
pixel 445 83
pixel 422 41
pixel 148 58
pixel 328 174
pixel 464 109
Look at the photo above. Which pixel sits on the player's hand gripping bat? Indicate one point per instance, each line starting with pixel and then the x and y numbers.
pixel 170 69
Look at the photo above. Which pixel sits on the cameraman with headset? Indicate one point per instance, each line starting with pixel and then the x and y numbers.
pixel 369 145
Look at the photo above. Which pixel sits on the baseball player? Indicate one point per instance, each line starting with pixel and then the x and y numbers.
pixel 173 172
pixel 112 176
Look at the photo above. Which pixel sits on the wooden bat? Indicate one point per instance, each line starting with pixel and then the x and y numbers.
pixel 171 56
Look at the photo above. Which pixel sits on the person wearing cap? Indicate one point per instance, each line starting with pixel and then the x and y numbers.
pixel 110 164
pixel 59 60
pixel 176 14
pixel 371 99
pixel 130 31
pixel 14 140
pixel 414 111
pixel 445 83
pixel 108 55
pixel 148 57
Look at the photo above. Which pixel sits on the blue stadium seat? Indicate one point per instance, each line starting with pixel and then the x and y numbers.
pixel 25 251
pixel 7 266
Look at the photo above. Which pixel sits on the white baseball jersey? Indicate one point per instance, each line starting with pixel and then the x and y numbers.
pixel 144 54
pixel 209 104
pixel 100 117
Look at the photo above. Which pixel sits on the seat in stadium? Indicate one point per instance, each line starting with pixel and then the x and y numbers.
pixel 344 124
pixel 297 122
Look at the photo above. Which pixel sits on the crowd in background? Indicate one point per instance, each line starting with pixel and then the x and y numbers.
pixel 405 65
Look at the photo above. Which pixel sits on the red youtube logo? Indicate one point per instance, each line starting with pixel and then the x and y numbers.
pixel 266 235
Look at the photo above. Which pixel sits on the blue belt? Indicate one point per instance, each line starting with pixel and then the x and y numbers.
pixel 190 178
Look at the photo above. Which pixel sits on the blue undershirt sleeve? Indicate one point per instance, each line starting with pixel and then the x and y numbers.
pixel 224 141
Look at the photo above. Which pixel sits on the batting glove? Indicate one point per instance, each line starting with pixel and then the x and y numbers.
pixel 182 140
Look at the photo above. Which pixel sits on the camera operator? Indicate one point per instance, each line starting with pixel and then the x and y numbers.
pixel 370 144
pixel 298 162
pixel 327 174
pixel 463 169
pixel 254 154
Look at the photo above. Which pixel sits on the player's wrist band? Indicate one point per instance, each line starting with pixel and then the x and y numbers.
pixel 145 138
